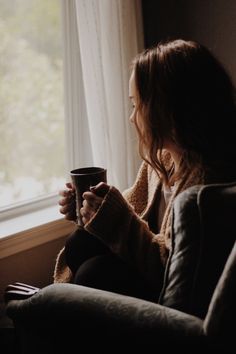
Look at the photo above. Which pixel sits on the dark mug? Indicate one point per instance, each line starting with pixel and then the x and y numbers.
pixel 82 180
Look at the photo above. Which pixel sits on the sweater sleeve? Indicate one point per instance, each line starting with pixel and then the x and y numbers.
pixel 118 225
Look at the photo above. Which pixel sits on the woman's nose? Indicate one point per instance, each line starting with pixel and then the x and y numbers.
pixel 131 118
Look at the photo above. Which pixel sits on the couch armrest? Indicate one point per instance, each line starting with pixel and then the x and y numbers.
pixel 71 310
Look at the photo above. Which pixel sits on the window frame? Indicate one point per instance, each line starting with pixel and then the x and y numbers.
pixel 39 203
pixel 28 206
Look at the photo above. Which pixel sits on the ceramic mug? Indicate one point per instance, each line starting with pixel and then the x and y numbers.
pixel 82 179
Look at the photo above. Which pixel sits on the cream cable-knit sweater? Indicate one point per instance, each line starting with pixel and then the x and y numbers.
pixel 121 223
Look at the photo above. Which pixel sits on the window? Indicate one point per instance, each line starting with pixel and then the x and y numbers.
pixel 32 163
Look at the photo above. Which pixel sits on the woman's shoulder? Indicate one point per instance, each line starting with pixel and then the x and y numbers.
pixel 141 178
pixel 146 183
pixel 146 172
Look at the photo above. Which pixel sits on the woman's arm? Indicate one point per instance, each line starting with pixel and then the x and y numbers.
pixel 120 228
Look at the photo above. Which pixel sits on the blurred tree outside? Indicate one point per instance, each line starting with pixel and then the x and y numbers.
pixel 32 161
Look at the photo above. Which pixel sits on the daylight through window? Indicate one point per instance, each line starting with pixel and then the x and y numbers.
pixel 31 100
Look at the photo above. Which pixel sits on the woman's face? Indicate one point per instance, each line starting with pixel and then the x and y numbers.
pixel 137 119
pixel 135 116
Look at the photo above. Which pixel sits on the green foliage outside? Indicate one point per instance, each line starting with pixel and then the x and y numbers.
pixel 31 99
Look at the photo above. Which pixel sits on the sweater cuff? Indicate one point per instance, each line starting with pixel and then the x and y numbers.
pixel 110 217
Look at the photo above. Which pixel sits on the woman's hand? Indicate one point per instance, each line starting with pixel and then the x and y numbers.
pixel 92 201
pixel 68 202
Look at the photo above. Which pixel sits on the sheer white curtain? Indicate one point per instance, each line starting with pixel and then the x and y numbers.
pixel 109 35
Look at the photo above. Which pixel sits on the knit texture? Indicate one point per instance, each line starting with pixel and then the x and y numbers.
pixel 121 223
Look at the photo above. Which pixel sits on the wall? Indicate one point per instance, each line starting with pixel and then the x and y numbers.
pixel 33 266
pixel 211 22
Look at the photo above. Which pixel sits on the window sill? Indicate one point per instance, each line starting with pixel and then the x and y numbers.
pixel 33 229
pixel 28 220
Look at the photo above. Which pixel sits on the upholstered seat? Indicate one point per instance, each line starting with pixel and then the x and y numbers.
pixel 196 309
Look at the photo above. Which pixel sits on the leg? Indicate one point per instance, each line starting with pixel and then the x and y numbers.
pixel 81 246
pixel 108 272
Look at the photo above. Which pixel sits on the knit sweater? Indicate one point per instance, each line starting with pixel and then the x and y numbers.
pixel 121 222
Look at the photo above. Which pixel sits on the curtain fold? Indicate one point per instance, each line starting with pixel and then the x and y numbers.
pixel 109 36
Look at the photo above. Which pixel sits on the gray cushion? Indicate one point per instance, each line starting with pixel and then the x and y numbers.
pixel 203 234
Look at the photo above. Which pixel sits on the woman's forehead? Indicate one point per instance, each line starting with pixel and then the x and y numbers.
pixel 132 85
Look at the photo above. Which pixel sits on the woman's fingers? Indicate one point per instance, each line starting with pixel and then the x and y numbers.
pixel 67 197
pixel 69 211
pixel 63 201
pixel 67 202
pixel 92 199
pixel 85 220
pixel 64 210
pixel 89 209
pixel 91 205
pixel 70 185
pixel 66 193
pixel 87 214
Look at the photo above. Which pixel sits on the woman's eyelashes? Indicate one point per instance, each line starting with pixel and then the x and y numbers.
pixel 133 105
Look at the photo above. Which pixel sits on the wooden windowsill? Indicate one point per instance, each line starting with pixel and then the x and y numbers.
pixel 26 237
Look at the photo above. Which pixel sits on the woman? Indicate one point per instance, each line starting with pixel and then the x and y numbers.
pixel 184 112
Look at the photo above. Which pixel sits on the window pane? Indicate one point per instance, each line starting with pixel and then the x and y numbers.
pixel 31 100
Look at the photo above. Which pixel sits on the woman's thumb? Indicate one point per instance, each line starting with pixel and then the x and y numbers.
pixel 100 189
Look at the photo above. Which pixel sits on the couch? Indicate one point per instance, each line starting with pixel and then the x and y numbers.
pixel 196 309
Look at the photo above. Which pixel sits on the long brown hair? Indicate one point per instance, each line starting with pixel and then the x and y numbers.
pixel 185 95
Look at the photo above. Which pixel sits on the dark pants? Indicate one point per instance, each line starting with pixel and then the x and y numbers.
pixel 94 265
